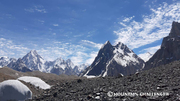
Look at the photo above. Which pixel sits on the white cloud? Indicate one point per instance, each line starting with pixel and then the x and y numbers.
pixel 79 57
pixel 78 35
pixel 8 48
pixel 91 58
pixel 54 33
pixel 152 50
pixel 29 10
pixel 37 8
pixel 79 54
pixel 128 19
pixel 153 27
pixel 122 24
pixel 41 21
pixel 55 25
pixel 148 52
pixel 59 49
pixel 91 44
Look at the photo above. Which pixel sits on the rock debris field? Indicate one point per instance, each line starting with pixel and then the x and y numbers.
pixel 157 84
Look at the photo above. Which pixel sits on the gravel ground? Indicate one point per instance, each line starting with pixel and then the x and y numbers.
pixel 157 84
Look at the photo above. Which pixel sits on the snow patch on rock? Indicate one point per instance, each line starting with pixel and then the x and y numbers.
pixel 35 81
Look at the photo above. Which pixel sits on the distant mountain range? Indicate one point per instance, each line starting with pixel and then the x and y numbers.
pixel 32 61
pixel 111 60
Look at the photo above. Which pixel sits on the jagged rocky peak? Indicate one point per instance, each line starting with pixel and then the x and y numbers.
pixel 169 51
pixel 123 47
pixel 59 59
pixel 34 61
pixel 70 63
pixel 173 37
pixel 106 45
pixel 114 60
pixel 175 30
pixel 4 58
pixel 68 60
pixel 4 61
pixel 34 54
pixel 61 66
pixel 13 59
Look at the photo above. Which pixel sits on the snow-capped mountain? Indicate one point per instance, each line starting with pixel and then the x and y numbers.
pixel 4 61
pixel 34 61
pixel 169 51
pixel 19 65
pixel 60 66
pixel 114 60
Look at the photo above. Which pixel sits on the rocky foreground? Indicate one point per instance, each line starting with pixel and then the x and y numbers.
pixel 158 84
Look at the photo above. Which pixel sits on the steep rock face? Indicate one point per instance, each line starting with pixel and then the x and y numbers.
pixel 34 61
pixel 114 60
pixel 169 51
pixel 19 65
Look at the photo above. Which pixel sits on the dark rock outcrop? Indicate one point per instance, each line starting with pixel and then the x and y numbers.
pixel 169 51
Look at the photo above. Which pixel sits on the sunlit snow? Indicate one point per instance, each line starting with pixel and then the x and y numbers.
pixel 35 81
pixel 14 90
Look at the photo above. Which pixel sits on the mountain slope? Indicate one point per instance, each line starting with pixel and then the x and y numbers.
pixel 34 61
pixel 114 60
pixel 169 51
pixel 19 66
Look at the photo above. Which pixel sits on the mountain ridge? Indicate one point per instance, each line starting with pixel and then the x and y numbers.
pixel 32 61
pixel 114 60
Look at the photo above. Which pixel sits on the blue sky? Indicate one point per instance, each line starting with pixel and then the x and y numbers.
pixel 76 29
